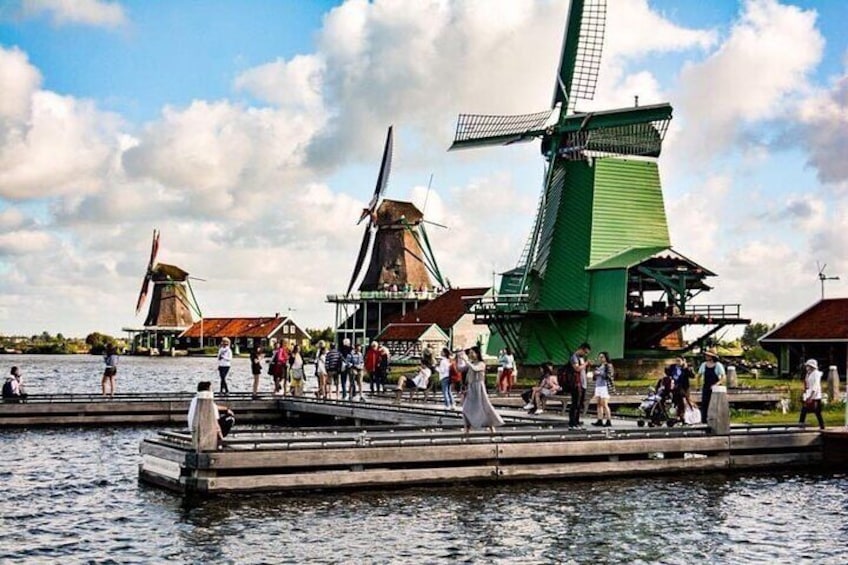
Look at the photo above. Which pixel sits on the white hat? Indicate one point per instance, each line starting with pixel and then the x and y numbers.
pixel 812 363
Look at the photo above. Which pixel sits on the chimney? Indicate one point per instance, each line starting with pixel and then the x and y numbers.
pixel 276 314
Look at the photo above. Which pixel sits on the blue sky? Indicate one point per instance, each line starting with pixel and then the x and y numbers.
pixel 250 134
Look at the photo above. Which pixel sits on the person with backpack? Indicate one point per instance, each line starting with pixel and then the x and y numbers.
pixel 13 388
pixel 333 366
pixel 110 359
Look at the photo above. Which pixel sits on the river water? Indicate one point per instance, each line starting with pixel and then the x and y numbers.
pixel 71 495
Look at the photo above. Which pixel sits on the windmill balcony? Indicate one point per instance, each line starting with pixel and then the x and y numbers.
pixel 694 313
pixel 486 308
pixel 389 295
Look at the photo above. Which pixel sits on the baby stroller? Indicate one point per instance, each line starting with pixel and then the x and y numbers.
pixel 656 405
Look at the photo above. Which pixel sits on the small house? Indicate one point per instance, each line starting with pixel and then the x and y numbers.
pixel 244 333
pixel 820 332
pixel 409 340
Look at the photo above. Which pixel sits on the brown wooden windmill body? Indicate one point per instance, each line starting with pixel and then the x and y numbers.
pixel 170 301
pixel 397 259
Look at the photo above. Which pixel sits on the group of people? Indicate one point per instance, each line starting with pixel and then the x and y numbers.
pixel 572 379
pixel 343 365
pixel 461 374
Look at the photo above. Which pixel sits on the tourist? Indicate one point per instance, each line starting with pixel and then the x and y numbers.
pixel 603 375
pixel 500 370
pixel 681 376
pixel 711 373
pixel 443 368
pixel 279 368
pixel 578 365
pixel 333 366
pixel 225 421
pixel 382 371
pixel 506 377
pixel 811 400
pixel 528 396
pixel 256 368
pixel 477 410
pixel 344 368
pixel 225 359
pixel 13 388
pixel 548 387
pixel 355 362
pixel 321 371
pixel 110 359
pixel 419 381
pixel 372 361
pixel 297 373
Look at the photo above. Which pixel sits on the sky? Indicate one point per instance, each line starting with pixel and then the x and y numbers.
pixel 250 135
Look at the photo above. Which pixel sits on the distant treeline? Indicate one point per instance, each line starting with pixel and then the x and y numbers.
pixel 45 343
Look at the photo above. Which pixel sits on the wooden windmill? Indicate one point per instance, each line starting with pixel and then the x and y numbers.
pixel 172 303
pixel 600 238
pixel 395 238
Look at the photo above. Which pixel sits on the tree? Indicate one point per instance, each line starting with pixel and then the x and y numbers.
pixel 752 333
pixel 97 342
pixel 326 334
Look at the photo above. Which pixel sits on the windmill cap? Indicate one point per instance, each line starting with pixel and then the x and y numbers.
pixel 812 363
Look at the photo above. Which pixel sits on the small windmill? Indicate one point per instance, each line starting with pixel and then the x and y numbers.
pixel 400 252
pixel 823 277
pixel 172 303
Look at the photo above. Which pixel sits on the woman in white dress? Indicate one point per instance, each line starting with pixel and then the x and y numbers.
pixel 477 410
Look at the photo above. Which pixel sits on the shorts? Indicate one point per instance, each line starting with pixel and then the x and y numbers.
pixel 602 391
pixel 547 392
pixel 409 384
pixel 110 371
pixel 333 376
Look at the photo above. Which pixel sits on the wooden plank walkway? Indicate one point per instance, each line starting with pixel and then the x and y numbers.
pixel 338 458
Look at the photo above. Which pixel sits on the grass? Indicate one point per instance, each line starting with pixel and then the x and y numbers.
pixel 833 414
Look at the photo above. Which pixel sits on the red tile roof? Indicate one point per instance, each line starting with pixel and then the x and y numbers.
pixel 827 319
pixel 235 327
pixel 444 311
pixel 404 332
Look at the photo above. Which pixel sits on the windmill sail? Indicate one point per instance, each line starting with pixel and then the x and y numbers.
pixel 480 130
pixel 580 58
pixel 360 259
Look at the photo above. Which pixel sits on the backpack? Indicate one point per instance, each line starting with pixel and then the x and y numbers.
pixel 455 375
pixel 568 379
pixel 8 392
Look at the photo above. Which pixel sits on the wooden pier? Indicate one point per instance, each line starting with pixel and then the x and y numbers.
pixel 139 408
pixel 342 458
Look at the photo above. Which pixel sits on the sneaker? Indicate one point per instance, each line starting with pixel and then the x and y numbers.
pixel 540 411
pixel 528 406
pixel 598 423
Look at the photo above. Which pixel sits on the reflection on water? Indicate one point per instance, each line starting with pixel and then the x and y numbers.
pixel 72 495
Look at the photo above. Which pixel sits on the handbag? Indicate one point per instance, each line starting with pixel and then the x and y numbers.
pixel 611 384
pixel 810 404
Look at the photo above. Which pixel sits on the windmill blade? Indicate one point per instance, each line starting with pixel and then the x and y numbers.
pixel 145 284
pixel 382 178
pixel 623 131
pixel 360 259
pixel 480 130
pixel 580 58
pixel 142 295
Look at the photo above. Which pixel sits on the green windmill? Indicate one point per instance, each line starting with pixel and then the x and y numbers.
pixel 598 265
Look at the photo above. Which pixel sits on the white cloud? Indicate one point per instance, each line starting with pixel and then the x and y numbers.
pixel 22 242
pixel 18 81
pixel 824 129
pixel 757 73
pixel 85 12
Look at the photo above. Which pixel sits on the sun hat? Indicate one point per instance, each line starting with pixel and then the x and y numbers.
pixel 711 352
pixel 812 363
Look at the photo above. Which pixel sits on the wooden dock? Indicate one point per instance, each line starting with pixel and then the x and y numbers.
pixel 343 458
pixel 133 409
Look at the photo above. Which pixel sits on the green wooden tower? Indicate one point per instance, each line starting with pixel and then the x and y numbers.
pixel 598 265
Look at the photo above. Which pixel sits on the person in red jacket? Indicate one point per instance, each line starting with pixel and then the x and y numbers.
pixel 372 362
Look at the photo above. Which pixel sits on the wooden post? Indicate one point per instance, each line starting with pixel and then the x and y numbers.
pixel 718 413
pixel 732 379
pixel 204 435
pixel 832 384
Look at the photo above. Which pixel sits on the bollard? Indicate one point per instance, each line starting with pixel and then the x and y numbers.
pixel 732 379
pixel 755 373
pixel 718 413
pixel 204 435
pixel 832 383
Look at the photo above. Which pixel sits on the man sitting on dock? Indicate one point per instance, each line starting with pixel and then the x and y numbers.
pixel 224 422
pixel 419 381
pixel 13 389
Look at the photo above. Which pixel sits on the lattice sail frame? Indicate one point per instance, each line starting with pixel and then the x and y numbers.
pixel 472 127
pixel 641 139
pixel 590 46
